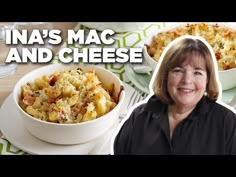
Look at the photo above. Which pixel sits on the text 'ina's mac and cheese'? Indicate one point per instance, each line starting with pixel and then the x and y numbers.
pixel 69 96
pixel 221 38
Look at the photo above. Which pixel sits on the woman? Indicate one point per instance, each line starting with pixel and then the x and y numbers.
pixel 182 117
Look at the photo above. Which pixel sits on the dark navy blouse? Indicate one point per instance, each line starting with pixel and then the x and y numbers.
pixel 209 130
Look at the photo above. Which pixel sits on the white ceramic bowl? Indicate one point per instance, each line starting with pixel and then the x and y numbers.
pixel 227 77
pixel 69 133
pixel 146 56
pixel 151 37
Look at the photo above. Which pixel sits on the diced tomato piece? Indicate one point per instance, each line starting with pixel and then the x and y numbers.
pixel 217 55
pixel 52 81
pixel 227 67
pixel 51 100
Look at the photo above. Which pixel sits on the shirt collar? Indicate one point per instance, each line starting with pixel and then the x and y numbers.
pixel 200 109
pixel 157 107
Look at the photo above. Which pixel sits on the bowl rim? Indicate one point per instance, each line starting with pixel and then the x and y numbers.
pixel 17 85
pixel 227 70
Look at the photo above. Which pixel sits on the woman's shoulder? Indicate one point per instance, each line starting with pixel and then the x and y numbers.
pixel 225 114
pixel 153 103
pixel 218 107
pixel 153 107
pixel 140 108
pixel 216 111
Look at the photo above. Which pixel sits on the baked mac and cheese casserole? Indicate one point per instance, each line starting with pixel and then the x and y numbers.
pixel 220 37
pixel 68 96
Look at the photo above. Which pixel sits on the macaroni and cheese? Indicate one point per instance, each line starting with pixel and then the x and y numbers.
pixel 221 38
pixel 69 96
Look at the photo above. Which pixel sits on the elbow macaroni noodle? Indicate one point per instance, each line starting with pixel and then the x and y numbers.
pixel 70 96
pixel 221 38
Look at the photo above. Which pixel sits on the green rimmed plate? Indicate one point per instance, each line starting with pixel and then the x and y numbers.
pixel 141 81
pixel 228 95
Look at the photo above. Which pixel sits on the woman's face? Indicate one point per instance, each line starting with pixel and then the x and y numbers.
pixel 187 83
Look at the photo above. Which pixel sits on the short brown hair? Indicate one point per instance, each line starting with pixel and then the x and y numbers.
pixel 178 53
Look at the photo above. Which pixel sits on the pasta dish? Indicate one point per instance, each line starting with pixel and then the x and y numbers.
pixel 221 38
pixel 69 96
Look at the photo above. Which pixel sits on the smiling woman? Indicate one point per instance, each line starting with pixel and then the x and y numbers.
pixel 183 115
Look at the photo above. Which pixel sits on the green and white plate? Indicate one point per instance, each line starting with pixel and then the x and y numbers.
pixel 228 95
pixel 141 81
